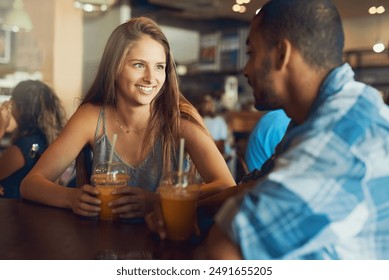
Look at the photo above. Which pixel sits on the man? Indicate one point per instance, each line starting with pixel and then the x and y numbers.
pixel 327 195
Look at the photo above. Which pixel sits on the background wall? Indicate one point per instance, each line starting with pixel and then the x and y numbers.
pixel 361 33
pixel 51 51
pixel 96 31
pixel 184 44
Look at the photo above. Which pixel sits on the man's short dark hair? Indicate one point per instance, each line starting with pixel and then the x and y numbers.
pixel 313 27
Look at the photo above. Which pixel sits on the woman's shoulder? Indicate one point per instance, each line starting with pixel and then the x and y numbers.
pixel 86 115
pixel 191 129
pixel 89 108
pixel 83 123
pixel 87 111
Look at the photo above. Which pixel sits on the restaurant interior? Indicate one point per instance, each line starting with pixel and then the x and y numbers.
pixel 61 42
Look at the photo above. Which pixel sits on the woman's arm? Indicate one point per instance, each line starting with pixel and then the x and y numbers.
pixel 208 160
pixel 39 184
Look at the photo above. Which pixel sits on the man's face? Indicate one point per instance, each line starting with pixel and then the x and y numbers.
pixel 259 70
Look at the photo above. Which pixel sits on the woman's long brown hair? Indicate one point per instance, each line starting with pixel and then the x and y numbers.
pixel 167 108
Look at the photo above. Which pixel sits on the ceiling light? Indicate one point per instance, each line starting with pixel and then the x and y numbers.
pixel 239 2
pixel 94 5
pixel 380 10
pixel 379 47
pixel 88 8
pixel 17 19
pixel 236 8
pixel 242 9
pixel 376 10
pixel 372 10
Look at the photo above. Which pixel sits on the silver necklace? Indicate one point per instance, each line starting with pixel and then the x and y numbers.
pixel 126 129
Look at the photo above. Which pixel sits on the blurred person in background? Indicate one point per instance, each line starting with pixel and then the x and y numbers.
pixel 216 125
pixel 39 118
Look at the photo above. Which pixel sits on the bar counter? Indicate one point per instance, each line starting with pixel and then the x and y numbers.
pixel 38 232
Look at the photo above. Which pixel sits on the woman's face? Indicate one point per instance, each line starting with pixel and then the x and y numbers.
pixel 143 73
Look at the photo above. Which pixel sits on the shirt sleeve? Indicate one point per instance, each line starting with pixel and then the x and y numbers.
pixel 267 133
pixel 296 211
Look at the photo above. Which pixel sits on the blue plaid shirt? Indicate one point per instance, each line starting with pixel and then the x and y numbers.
pixel 327 196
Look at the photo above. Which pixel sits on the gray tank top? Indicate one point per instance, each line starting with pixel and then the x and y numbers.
pixel 147 175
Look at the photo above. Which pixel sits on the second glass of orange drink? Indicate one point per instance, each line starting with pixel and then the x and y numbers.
pixel 179 194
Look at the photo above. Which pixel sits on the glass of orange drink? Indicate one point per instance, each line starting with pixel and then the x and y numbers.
pixel 179 194
pixel 106 178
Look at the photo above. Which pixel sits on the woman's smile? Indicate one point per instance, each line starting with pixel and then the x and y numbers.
pixel 145 89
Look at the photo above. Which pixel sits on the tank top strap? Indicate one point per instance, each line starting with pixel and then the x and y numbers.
pixel 101 116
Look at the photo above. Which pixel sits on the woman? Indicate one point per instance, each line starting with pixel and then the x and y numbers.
pixel 39 117
pixel 134 95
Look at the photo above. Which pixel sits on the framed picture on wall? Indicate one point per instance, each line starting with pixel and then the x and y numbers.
pixel 210 52
pixel 5 46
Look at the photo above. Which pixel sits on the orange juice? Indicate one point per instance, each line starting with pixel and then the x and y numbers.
pixel 179 206
pixel 106 184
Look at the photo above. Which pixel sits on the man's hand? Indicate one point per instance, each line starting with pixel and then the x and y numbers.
pixel 154 221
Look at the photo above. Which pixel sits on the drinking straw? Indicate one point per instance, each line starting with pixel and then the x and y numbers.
pixel 181 156
pixel 181 160
pixel 114 138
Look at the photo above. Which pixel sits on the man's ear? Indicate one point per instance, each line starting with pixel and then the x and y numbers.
pixel 284 50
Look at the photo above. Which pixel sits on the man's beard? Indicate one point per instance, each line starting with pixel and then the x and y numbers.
pixel 269 95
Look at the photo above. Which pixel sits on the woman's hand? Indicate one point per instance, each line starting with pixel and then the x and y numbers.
pixel 1 190
pixel 135 202
pixel 85 202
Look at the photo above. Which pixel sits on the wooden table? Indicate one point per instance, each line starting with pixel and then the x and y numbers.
pixel 34 231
